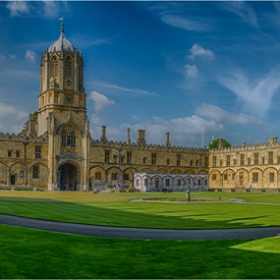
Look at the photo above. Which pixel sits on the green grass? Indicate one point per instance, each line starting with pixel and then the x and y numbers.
pixel 115 209
pixel 27 253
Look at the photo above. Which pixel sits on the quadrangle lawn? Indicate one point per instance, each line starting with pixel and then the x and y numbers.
pixel 207 210
pixel 28 253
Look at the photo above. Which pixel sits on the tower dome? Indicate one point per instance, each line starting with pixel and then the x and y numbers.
pixel 62 43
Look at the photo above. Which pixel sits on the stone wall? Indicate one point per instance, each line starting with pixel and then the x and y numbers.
pixel 246 167
pixel 18 158
pixel 116 162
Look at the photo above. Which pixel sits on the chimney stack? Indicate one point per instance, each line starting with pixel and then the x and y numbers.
pixel 167 142
pixel 103 134
pixel 141 137
pixel 128 136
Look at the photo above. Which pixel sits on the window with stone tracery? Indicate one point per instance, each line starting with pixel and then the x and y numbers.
pixel 256 158
pixel 242 161
pixel 54 68
pixel 35 174
pixel 255 177
pixel 68 138
pixel 270 157
pixel 37 152
pixel 73 139
pixel 68 64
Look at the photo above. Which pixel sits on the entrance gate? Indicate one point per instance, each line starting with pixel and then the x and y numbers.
pixel 67 177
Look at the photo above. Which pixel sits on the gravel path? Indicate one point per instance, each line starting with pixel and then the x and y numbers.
pixel 139 233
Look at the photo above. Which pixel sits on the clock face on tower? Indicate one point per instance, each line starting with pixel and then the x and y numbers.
pixel 68 99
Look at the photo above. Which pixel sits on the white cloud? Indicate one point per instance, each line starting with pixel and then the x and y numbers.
pixel 100 101
pixel 183 130
pixel 30 55
pixel 192 70
pixel 197 50
pixel 95 119
pixel 3 57
pixel 51 9
pixel 119 88
pixel 256 94
pixel 183 23
pixel 11 113
pixel 114 133
pixel 243 10
pixel 219 115
pixel 208 120
pixel 86 41
pixel 17 7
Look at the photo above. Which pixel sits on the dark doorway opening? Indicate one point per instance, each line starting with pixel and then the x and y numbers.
pixel 13 180
pixel 67 177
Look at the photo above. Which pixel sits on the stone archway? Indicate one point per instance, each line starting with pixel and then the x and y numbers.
pixel 67 177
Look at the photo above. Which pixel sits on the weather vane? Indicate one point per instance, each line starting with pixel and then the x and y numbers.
pixel 62 24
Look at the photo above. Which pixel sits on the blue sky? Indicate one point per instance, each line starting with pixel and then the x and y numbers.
pixel 195 69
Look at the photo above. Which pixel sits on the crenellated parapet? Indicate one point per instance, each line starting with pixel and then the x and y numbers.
pixel 23 138
pixel 151 147
pixel 141 144
pixel 243 148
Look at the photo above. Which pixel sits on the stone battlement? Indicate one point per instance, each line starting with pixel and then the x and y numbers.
pixel 157 147
pixel 272 144
pixel 23 138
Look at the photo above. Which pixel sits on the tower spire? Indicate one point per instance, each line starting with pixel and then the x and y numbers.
pixel 62 24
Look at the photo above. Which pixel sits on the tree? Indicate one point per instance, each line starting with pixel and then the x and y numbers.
pixel 26 125
pixel 215 144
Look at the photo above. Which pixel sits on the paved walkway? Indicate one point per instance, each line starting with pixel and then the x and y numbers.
pixel 139 233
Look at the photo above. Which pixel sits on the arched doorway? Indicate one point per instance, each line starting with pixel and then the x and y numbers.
pixel 13 180
pixel 67 177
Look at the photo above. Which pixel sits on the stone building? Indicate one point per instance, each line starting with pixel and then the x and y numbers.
pixel 117 162
pixel 57 152
pixel 245 168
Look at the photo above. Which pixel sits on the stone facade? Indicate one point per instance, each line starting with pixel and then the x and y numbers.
pixel 116 162
pixel 246 168
pixel 58 153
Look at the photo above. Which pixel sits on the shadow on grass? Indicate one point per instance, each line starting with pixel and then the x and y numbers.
pixel 133 215
pixel 34 254
pixel 249 219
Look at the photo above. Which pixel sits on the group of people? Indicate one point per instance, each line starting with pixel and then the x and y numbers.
pixel 117 186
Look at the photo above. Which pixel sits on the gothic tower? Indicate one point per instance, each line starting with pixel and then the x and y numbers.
pixel 62 115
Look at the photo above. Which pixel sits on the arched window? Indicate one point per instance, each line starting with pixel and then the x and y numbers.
pixel 54 68
pixel 68 64
pixel 35 174
pixel 63 138
pixel 68 138
pixel 73 139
